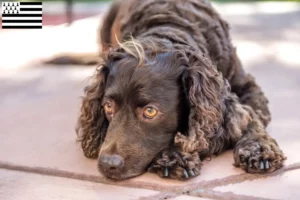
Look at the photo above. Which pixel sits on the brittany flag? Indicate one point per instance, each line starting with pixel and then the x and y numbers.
pixel 22 15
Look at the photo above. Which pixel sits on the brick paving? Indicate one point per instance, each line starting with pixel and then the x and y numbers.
pixel 39 156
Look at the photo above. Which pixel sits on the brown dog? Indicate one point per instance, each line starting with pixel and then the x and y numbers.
pixel 171 92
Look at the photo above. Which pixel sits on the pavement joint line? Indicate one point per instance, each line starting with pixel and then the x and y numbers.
pixel 204 193
pixel 234 179
pixel 180 190
pixel 83 177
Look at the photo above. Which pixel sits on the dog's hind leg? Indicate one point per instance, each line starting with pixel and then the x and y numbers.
pixel 74 59
pixel 248 91
pixel 255 150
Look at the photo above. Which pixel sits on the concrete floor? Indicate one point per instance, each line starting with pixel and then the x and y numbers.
pixel 39 156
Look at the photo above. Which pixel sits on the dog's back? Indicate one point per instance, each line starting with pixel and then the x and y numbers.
pixel 191 22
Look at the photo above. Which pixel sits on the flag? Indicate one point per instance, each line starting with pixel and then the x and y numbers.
pixel 22 15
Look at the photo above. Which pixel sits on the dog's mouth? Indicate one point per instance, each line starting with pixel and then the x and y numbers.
pixel 120 177
pixel 118 174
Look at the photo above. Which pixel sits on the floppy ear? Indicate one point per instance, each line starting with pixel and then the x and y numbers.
pixel 203 86
pixel 92 123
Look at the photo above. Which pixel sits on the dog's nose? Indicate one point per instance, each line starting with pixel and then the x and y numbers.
pixel 111 162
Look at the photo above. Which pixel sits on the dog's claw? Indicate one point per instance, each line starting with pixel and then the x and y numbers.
pixel 250 164
pixel 192 173
pixel 185 174
pixel 166 172
pixel 267 164
pixel 261 164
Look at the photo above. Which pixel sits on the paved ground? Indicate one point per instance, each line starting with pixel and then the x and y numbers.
pixel 40 159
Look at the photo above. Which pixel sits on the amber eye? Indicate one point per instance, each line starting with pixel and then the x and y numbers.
pixel 150 112
pixel 108 107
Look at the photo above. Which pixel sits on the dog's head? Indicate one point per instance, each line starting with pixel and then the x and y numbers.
pixel 137 103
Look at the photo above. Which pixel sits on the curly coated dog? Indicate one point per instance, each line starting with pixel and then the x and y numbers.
pixel 171 92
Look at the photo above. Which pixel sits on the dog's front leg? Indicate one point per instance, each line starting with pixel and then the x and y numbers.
pixel 176 163
pixel 255 151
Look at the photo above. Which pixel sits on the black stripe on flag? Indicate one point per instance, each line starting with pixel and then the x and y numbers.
pixel 22 21
pixel 31 3
pixel 30 9
pixel 21 27
pixel 22 15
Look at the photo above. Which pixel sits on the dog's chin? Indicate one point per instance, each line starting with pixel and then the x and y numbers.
pixel 120 175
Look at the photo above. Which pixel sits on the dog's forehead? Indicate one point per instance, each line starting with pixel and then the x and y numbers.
pixel 128 77
pixel 146 81
pixel 127 72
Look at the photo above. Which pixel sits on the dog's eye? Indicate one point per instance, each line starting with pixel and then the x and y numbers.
pixel 150 112
pixel 108 107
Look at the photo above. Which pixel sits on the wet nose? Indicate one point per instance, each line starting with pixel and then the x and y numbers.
pixel 111 162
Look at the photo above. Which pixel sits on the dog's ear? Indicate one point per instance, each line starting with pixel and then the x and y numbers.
pixel 203 86
pixel 92 123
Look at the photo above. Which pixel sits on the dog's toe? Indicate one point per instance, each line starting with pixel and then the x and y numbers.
pixel 259 157
pixel 176 165
pixel 175 172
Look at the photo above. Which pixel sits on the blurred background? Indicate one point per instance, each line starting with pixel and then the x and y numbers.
pixel 255 18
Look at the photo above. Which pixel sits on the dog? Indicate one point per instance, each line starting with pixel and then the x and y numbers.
pixel 169 92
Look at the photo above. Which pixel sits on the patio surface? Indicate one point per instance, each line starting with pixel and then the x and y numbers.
pixel 39 156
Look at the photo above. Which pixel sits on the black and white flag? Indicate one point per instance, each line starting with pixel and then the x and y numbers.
pixel 22 15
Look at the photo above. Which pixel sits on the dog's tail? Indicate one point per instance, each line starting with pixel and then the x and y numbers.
pixel 74 59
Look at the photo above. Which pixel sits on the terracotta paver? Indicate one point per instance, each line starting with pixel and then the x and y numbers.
pixel 39 106
pixel 186 197
pixel 283 186
pixel 18 185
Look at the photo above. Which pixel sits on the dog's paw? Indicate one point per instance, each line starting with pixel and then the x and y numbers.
pixel 258 156
pixel 177 166
pixel 178 172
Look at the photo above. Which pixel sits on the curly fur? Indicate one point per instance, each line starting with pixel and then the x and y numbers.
pixel 226 107
pixel 92 124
